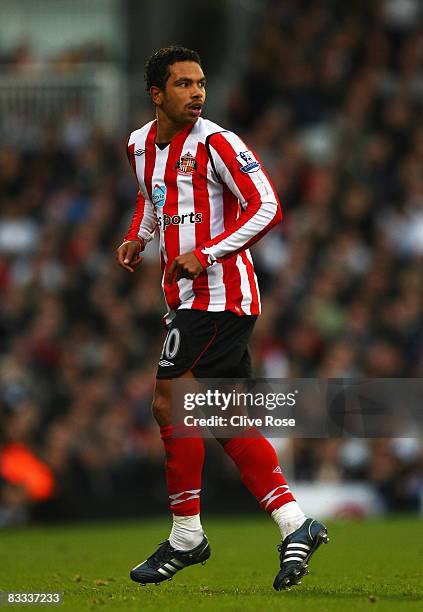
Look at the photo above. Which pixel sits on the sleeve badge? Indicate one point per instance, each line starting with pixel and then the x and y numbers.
pixel 247 162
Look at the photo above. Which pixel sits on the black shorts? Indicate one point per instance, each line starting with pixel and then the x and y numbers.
pixel 209 344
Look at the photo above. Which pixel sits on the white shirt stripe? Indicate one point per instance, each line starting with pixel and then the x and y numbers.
pixel 217 288
pixel 245 286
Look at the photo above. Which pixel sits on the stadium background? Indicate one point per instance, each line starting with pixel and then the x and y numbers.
pixel 330 96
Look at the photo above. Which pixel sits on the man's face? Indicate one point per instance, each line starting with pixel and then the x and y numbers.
pixel 184 93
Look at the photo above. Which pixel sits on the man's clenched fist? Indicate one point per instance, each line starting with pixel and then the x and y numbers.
pixel 184 266
pixel 128 255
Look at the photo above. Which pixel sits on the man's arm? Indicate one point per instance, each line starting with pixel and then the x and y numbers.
pixel 237 168
pixel 142 227
pixel 241 171
pixel 144 221
pixel 141 231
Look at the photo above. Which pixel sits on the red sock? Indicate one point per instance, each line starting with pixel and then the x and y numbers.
pixel 259 469
pixel 184 465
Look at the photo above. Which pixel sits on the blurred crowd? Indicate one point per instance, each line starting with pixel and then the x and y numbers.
pixel 22 59
pixel 331 99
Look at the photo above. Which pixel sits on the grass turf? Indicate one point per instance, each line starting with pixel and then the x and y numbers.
pixel 374 565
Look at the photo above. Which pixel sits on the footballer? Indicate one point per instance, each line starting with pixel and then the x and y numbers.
pixel 209 199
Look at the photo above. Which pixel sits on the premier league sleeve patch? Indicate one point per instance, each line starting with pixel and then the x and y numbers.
pixel 247 162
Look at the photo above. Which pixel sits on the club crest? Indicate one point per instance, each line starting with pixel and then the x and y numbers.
pixel 187 164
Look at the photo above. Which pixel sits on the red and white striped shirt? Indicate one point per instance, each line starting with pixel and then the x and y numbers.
pixel 205 192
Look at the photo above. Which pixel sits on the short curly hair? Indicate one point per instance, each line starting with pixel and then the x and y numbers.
pixel 157 67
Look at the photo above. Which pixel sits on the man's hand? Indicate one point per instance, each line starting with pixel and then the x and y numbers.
pixel 184 266
pixel 128 255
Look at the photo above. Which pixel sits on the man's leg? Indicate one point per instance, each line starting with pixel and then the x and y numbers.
pixel 260 471
pixel 187 544
pixel 184 465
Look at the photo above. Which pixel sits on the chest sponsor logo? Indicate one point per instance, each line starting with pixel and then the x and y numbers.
pixel 187 164
pixel 185 219
pixel 159 195
pixel 247 162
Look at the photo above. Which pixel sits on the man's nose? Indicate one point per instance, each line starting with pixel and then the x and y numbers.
pixel 197 92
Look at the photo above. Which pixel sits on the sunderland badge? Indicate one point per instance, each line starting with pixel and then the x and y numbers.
pixel 187 164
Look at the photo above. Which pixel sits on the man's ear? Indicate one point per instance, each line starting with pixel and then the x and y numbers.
pixel 156 95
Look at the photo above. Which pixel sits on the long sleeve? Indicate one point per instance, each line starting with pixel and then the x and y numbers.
pixel 242 173
pixel 144 222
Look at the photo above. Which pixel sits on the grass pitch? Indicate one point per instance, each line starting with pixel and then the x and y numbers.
pixel 369 565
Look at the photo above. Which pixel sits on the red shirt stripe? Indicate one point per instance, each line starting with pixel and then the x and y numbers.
pixel 171 208
pixel 202 230
pixel 134 227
